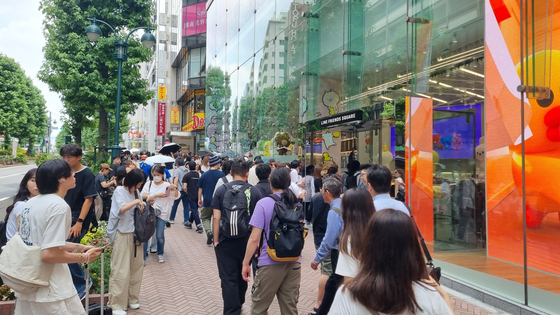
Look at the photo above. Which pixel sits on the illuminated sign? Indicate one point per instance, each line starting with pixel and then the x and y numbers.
pixel 196 123
pixel 194 19
pixel 175 115
pixel 161 92
pixel 161 119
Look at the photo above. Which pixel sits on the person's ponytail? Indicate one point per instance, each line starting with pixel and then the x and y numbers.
pixel 280 179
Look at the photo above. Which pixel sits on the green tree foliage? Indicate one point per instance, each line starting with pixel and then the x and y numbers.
pixel 396 109
pixel 84 74
pixel 22 107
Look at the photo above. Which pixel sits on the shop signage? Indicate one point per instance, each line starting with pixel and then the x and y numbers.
pixel 161 119
pixel 175 115
pixel 342 118
pixel 194 19
pixel 161 92
pixel 197 122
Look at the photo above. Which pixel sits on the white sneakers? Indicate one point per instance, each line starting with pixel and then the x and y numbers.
pixel 160 259
pixel 119 312
pixel 134 306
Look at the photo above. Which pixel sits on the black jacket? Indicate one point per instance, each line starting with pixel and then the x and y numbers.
pixel 319 209
pixel 264 187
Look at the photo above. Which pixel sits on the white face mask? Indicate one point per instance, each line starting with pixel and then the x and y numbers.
pixel 157 179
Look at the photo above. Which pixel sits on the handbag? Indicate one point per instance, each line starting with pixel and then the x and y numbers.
pixel 433 271
pixel 21 266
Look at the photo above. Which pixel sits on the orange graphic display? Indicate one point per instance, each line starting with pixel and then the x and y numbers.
pixel 542 132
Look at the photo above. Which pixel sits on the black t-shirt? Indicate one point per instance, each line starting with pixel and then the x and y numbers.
pixel 75 197
pixel 219 197
pixel 264 187
pixel 319 209
pixel 99 178
pixel 114 168
pixel 318 183
pixel 191 179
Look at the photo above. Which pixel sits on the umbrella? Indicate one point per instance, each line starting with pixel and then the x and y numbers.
pixel 159 159
pixel 135 150
pixel 170 148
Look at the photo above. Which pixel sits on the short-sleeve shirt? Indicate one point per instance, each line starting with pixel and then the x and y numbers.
pixel 45 222
pixel 208 182
pixel 75 197
pixel 99 178
pixel 261 219
pixel 11 225
pixel 255 196
pixel 121 221
pixel 191 179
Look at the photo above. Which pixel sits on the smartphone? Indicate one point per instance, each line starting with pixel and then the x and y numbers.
pixel 168 190
pixel 103 247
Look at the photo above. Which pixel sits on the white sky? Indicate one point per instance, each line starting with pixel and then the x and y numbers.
pixel 22 39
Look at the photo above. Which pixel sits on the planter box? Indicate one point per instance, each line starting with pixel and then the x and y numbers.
pixel 8 307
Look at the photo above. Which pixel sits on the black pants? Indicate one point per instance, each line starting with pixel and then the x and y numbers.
pixel 106 209
pixel 229 256
pixel 307 212
pixel 331 286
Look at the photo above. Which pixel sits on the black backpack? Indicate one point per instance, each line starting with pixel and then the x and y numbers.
pixel 234 222
pixel 144 222
pixel 352 180
pixel 287 232
pixel 3 240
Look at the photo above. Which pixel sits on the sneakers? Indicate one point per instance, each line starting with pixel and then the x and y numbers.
pixel 187 225
pixel 160 259
pixel 171 221
pixel 134 306
pixel 199 229
pixel 119 312
pixel 210 238
pixel 153 250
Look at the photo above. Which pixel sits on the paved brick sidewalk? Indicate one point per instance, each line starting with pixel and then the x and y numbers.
pixel 188 282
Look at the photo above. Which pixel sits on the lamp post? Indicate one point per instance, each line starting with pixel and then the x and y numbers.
pixel 51 122
pixel 148 40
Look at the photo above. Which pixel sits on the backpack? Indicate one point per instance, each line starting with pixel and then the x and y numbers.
pixel 400 194
pixel 3 240
pixel 234 222
pixel 225 180
pixel 351 181
pixel 287 232
pixel 144 222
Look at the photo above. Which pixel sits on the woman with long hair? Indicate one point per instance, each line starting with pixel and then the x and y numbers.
pixel 45 222
pixel 318 178
pixel 357 209
pixel 127 264
pixel 27 190
pixel 205 165
pixel 391 262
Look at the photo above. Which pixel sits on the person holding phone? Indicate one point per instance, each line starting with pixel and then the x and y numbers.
pixel 163 194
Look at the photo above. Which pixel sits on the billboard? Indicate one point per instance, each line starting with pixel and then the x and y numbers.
pixel 194 19
pixel 197 122
pixel 161 119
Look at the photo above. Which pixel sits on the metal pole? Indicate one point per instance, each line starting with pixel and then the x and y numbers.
pixel 116 147
pixel 525 285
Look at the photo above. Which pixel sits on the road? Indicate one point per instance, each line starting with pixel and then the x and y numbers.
pixel 10 177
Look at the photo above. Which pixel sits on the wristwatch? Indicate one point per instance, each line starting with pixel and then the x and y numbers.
pixel 80 220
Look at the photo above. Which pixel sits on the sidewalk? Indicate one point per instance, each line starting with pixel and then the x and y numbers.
pixel 188 282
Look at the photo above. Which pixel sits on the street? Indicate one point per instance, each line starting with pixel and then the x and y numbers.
pixel 10 177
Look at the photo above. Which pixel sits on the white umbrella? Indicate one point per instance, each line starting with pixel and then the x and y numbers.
pixel 135 150
pixel 159 159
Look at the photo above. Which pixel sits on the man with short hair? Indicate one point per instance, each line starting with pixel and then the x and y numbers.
pixel 263 185
pixel 114 166
pixel 80 200
pixel 253 179
pixel 379 180
pixel 363 175
pixel 206 186
pixel 332 189
pixel 230 252
pixel 226 169
pixel 126 155
pixel 102 185
pixel 178 175
pixel 190 182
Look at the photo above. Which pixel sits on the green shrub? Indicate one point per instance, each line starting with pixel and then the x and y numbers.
pixel 99 238
pixel 21 158
pixel 44 157
pixel 5 152
pixel 6 293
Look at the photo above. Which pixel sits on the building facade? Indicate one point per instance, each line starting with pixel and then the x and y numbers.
pixel 429 86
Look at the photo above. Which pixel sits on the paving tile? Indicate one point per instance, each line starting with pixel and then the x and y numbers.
pixel 188 282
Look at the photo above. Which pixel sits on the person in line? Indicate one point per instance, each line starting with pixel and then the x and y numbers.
pixel 363 175
pixel 294 171
pixel 129 165
pixel 135 160
pixel 102 185
pixel 80 200
pixel 351 177
pixel 317 178
pixel 273 278
pixel 226 169
pixel 27 190
pixel 310 189
pixel 332 189
pixel 190 182
pixel 386 271
pixel 114 166
pixel 263 171
pixel 162 194
pixel 253 179
pixel 230 252
pixel 178 175
pixel 320 210
pixel 45 222
pixel 399 176
pixel 127 265
pixel 206 185
pixel 205 164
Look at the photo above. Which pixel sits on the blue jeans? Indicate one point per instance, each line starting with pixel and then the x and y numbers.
pixel 193 204
pixel 159 242
pixel 76 270
pixel 185 201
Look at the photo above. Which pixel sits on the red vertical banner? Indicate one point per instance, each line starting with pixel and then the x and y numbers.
pixel 161 119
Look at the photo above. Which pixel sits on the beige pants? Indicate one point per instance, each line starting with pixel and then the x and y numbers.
pixel 126 272
pixel 281 280
pixel 70 306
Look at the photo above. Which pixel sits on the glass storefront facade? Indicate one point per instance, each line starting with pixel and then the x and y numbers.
pixel 414 85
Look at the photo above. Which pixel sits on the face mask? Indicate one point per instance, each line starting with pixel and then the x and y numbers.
pixel 157 179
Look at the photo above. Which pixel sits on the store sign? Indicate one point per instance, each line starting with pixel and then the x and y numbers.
pixel 194 19
pixel 196 123
pixel 342 118
pixel 161 119
pixel 175 115
pixel 161 92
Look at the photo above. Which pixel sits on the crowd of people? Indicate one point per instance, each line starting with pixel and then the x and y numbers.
pixel 367 245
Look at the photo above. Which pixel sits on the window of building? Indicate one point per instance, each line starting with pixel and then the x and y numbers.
pixel 266 56
pixel 273 53
pixel 265 67
pixel 264 79
pixel 281 54
pixel 281 66
pixel 271 66
pixel 282 42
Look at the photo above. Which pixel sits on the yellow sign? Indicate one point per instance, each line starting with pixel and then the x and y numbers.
pixel 175 115
pixel 161 92
pixel 197 122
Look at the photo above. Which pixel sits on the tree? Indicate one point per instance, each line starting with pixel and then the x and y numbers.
pixel 85 75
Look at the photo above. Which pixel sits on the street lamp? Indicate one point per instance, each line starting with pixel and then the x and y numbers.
pixel 50 126
pixel 148 40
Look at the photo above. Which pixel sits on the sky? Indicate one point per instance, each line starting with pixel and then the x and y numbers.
pixel 22 37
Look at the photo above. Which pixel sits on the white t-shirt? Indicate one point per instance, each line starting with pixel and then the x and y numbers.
pixel 45 222
pixel 11 225
pixel 253 179
pixel 121 221
pixel 294 177
pixel 429 300
pixel 163 204
pixel 221 182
